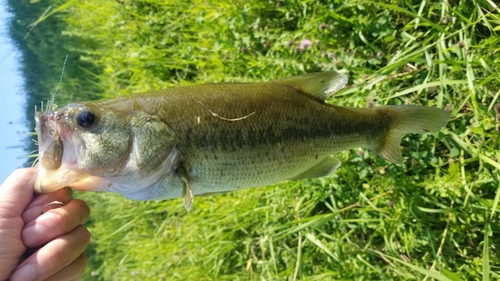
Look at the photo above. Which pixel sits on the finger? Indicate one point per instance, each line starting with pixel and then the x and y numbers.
pixel 55 223
pixel 54 256
pixel 71 272
pixel 17 192
pixel 34 209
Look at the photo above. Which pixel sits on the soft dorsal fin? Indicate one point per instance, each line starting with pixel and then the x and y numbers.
pixel 321 85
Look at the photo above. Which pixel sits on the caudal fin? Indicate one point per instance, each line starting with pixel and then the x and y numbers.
pixel 407 119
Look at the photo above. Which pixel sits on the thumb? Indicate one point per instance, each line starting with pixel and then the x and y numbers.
pixel 16 192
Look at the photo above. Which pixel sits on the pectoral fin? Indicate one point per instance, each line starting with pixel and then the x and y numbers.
pixel 187 195
pixel 323 168
pixel 320 85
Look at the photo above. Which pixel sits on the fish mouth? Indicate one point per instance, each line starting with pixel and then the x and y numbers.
pixel 57 166
pixel 50 145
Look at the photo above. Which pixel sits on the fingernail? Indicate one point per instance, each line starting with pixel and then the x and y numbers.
pixel 25 273
pixel 33 234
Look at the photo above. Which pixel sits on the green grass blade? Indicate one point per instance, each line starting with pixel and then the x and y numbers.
pixel 405 11
pixel 497 195
pixel 311 237
pixel 427 272
pixel 486 253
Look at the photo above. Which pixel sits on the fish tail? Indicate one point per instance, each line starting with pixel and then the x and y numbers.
pixel 406 119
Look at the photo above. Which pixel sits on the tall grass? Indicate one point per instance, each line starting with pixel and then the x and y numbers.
pixel 433 217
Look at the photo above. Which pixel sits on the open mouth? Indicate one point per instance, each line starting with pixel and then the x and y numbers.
pixel 50 145
pixel 51 150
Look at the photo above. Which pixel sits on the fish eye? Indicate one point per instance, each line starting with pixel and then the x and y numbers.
pixel 85 119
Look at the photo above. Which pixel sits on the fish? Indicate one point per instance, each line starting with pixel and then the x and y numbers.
pixel 213 138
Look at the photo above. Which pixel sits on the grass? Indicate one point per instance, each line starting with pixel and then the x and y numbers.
pixel 433 217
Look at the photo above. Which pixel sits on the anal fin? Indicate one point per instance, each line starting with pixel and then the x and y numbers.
pixel 322 169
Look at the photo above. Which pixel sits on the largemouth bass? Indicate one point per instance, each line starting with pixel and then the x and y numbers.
pixel 213 138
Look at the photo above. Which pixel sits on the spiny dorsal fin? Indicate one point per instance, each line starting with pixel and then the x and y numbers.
pixel 320 85
pixel 322 169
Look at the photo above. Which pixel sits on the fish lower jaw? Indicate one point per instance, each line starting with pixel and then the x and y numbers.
pixel 52 180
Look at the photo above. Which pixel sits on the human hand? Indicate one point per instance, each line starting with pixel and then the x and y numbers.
pixel 36 246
